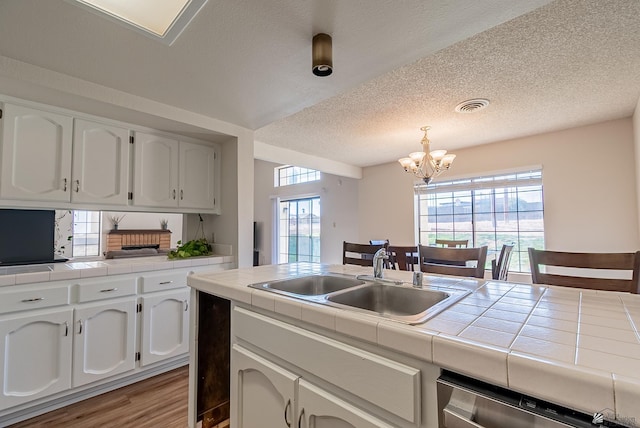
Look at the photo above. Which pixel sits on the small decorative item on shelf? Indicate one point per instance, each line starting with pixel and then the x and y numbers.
pixel 164 224
pixel 115 220
pixel 193 248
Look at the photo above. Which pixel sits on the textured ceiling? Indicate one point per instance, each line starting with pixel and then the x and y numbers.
pixel 570 63
pixel 397 66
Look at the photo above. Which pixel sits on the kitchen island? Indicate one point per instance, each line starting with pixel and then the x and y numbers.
pixel 576 348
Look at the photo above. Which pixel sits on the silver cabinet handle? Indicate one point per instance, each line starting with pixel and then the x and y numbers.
pixel 35 299
pixel 174 193
pixel 166 282
pixel 80 329
pixel 64 189
pixel 286 413
pixel 300 418
pixel 186 306
pixel 77 186
pixel 181 194
pixel 66 329
pixel 108 290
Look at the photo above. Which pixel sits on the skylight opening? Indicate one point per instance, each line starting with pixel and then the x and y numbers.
pixel 162 20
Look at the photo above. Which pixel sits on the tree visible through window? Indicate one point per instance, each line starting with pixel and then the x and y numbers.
pixel 299 230
pixel 492 211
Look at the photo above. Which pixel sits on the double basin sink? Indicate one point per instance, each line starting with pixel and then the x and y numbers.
pixel 381 297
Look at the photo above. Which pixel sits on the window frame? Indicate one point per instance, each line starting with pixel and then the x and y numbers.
pixel 470 191
pixel 289 175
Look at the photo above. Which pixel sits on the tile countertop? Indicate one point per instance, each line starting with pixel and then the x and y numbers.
pixel 27 274
pixel 577 348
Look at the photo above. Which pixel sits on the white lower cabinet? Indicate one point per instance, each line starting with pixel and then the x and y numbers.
pixel 318 408
pixel 104 343
pixel 35 355
pixel 270 395
pixel 265 391
pixel 165 325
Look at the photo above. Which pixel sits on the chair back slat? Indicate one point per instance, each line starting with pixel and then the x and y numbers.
pixel 402 257
pixel 500 269
pixel 629 262
pixel 358 254
pixel 453 243
pixel 453 261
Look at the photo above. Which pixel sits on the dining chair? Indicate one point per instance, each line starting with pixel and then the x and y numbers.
pixel 453 243
pixel 402 257
pixel 500 269
pixel 453 261
pixel 595 262
pixel 358 254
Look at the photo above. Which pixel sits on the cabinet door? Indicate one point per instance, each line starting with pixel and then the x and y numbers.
pixel 35 356
pixel 197 180
pixel 100 163
pixel 155 171
pixel 165 326
pixel 320 409
pixel 265 392
pixel 104 343
pixel 36 155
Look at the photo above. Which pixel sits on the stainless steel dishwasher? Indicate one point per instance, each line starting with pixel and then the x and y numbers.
pixel 464 402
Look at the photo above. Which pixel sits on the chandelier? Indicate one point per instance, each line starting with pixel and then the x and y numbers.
pixel 427 164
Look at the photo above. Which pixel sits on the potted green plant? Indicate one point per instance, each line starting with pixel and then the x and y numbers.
pixel 164 224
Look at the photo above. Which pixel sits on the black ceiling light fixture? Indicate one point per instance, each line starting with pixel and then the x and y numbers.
pixel 321 55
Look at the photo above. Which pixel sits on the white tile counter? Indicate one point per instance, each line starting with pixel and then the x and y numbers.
pixel 577 348
pixel 27 274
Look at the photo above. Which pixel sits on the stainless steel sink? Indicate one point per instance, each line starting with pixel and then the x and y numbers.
pixel 385 298
pixel 401 303
pixel 313 285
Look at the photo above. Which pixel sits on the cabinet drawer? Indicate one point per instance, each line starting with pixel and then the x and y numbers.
pixel 33 298
pixel 106 289
pixel 163 281
pixel 390 385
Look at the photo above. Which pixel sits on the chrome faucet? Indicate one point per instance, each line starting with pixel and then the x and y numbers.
pixel 378 263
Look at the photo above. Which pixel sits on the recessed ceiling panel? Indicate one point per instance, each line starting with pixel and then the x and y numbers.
pixel 161 19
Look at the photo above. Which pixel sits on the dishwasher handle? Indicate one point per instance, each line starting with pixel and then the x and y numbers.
pixel 454 420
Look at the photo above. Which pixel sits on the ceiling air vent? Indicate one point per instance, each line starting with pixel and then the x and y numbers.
pixel 472 106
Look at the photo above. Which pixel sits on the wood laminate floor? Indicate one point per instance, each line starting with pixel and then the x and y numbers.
pixel 158 402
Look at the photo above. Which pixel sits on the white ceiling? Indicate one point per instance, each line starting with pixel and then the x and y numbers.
pixel 398 65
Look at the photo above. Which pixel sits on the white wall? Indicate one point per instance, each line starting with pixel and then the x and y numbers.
pixel 636 137
pixel 589 184
pixel 338 210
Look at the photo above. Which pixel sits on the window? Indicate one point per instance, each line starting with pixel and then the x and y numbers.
pixel 86 233
pixel 492 211
pixel 299 230
pixel 287 175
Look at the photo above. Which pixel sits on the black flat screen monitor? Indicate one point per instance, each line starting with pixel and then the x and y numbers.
pixel 26 236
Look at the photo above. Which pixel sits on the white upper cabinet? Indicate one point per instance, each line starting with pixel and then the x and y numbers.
pixel 170 173
pixel 100 163
pixel 36 154
pixel 197 181
pixel 155 180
